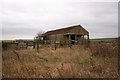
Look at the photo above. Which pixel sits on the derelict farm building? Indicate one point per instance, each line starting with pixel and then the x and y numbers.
pixel 74 35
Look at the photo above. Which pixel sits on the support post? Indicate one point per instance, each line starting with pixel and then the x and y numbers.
pixel 75 39
pixel 69 40
pixel 88 41
pixel 69 37
pixel 82 39
pixel 34 43
pixel 69 44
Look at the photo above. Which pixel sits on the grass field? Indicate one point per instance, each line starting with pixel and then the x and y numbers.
pixel 105 39
pixel 75 62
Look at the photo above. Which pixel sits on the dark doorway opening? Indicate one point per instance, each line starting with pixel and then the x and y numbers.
pixel 72 39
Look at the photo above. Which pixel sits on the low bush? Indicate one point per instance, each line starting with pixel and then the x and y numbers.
pixel 103 49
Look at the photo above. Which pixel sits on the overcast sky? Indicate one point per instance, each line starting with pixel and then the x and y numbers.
pixel 25 18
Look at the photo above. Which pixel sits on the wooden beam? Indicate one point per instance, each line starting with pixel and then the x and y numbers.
pixel 75 38
pixel 69 37
pixel 88 41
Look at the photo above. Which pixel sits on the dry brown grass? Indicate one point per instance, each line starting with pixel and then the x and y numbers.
pixel 104 49
pixel 77 62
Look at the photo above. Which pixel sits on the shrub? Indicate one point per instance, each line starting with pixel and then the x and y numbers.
pixel 103 49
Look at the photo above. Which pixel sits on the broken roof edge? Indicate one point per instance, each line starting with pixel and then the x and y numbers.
pixel 84 29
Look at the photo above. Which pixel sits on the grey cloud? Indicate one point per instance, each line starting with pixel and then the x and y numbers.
pixel 119 19
pixel 28 17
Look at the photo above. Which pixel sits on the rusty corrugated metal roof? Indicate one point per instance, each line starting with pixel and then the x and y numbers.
pixel 57 31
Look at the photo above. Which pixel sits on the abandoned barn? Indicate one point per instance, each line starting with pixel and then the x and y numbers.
pixel 70 35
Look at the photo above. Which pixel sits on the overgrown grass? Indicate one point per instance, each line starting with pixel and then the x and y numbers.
pixel 104 50
pixel 75 62
pixel 54 59
pixel 43 60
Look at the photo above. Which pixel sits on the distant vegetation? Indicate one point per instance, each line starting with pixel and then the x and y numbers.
pixel 17 44
pixel 104 39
